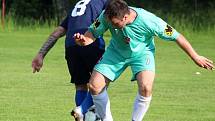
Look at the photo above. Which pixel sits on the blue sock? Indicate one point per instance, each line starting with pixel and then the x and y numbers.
pixel 87 103
pixel 80 96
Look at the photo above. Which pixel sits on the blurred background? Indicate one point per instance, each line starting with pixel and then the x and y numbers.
pixel 198 13
pixel 182 91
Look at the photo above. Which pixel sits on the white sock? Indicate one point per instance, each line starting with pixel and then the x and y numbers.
pixel 141 106
pixel 102 103
pixel 78 110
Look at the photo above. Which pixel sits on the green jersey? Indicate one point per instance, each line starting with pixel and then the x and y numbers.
pixel 137 37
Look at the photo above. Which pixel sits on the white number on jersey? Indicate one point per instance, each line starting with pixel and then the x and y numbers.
pixel 80 8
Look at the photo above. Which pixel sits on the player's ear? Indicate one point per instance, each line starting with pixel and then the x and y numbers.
pixel 125 17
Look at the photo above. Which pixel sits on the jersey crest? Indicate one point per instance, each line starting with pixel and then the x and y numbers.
pixel 127 40
pixel 168 30
pixel 96 24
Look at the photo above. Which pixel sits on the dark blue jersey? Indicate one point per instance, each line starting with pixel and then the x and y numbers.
pixel 80 17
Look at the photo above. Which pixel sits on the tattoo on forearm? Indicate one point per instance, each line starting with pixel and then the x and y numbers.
pixel 48 45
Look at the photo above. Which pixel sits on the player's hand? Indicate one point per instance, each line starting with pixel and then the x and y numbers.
pixel 37 63
pixel 81 40
pixel 204 62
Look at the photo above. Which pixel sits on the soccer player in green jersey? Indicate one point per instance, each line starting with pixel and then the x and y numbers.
pixel 132 44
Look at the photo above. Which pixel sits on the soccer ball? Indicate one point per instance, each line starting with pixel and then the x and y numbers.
pixel 91 115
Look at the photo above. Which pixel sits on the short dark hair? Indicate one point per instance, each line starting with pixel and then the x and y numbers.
pixel 116 8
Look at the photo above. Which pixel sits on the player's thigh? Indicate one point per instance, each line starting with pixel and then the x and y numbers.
pixel 145 80
pixel 97 82
pixel 91 56
pixel 78 70
pixel 145 62
pixel 111 65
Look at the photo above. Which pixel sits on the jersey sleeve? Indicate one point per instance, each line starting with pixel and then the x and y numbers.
pixel 64 23
pixel 161 29
pixel 99 26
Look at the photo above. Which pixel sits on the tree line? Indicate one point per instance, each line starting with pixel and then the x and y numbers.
pixel 46 10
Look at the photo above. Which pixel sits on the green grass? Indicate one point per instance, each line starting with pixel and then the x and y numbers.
pixel 179 94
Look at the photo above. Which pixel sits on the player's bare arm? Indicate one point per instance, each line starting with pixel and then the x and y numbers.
pixel 85 39
pixel 37 62
pixel 199 60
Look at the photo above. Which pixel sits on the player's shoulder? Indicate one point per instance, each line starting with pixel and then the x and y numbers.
pixel 90 4
pixel 142 12
pixel 146 19
pixel 145 16
pixel 99 4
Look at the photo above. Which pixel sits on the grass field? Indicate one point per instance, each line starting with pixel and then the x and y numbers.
pixel 179 93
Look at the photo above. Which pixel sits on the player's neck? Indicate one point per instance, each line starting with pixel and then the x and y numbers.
pixel 132 16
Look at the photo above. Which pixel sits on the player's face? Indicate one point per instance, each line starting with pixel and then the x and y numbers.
pixel 118 23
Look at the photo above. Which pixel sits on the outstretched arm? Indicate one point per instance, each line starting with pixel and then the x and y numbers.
pixel 37 62
pixel 199 60
pixel 52 39
pixel 85 39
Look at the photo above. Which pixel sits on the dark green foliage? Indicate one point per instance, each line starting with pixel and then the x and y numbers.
pixel 30 10
pixel 198 13
pixel 27 12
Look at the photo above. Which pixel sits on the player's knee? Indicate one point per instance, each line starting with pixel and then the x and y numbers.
pixel 96 83
pixel 94 88
pixel 81 87
pixel 145 90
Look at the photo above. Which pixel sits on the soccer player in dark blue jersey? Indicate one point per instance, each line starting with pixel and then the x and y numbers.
pixel 80 60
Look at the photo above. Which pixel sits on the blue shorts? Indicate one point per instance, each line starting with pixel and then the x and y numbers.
pixel 113 64
pixel 81 61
